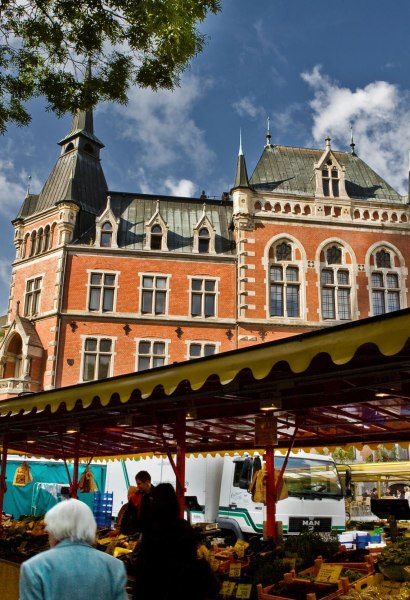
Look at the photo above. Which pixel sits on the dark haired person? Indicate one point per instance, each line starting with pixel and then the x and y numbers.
pixel 138 509
pixel 167 566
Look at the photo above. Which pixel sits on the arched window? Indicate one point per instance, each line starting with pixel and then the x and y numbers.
pixel 156 237
pixel 385 281
pixel 335 285
pixel 203 240
pixel 39 243
pixel 33 238
pixel 46 245
pixel 284 281
pixel 106 235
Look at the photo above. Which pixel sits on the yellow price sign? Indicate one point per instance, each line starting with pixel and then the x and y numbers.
pixel 329 573
pixel 235 569
pixel 227 588
pixel 244 590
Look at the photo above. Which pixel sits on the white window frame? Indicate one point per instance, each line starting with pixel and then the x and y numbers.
pixel 336 268
pixel 98 353
pixel 151 356
pixel 102 286
pixel 398 271
pixel 29 295
pixel 284 265
pixel 202 344
pixel 155 290
pixel 204 293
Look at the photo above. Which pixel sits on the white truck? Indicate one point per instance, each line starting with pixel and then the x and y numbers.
pixel 217 491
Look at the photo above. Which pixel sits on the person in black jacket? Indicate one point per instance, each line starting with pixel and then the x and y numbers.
pixel 138 509
pixel 167 566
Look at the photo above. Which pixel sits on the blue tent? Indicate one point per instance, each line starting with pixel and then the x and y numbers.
pixel 36 497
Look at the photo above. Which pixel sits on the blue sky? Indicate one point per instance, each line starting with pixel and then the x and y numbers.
pixel 314 68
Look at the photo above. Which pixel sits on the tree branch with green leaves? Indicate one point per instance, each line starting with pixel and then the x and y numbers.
pixel 47 45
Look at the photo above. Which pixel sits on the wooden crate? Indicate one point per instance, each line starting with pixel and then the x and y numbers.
pixel 314 590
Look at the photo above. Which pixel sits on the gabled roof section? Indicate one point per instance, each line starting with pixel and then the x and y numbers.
pixel 77 175
pixel 284 169
pixel 181 215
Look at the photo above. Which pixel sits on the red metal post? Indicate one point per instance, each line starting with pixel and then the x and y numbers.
pixel 180 432
pixel 3 486
pixel 74 482
pixel 270 494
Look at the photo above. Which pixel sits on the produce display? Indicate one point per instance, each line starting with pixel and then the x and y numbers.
pixel 258 569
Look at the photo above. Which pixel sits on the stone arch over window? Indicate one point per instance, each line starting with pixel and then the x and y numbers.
pixel 285 261
pixel 387 273
pixel 21 359
pixel 106 228
pixel 258 206
pixel 337 298
pixel 156 232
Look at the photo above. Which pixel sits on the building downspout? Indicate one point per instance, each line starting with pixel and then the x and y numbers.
pixel 59 317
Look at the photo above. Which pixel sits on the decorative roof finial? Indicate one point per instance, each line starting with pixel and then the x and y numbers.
pixel 240 143
pixel 109 202
pixel 327 141
pixel 352 144
pixel 28 186
pixel 268 135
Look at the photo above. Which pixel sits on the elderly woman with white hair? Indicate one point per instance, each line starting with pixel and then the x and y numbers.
pixel 72 569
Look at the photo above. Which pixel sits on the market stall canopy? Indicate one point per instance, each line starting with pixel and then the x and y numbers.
pixel 348 384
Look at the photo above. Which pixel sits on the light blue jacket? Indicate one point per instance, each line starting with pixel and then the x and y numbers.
pixel 73 570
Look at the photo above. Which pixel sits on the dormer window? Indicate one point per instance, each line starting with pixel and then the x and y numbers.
pixel 204 235
pixel 156 237
pixel 330 180
pixel 106 235
pixel 69 147
pixel 203 240
pixel 330 175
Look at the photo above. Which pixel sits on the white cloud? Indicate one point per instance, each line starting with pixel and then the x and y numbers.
pixel 379 114
pixel 183 187
pixel 12 189
pixel 246 107
pixel 5 274
pixel 162 125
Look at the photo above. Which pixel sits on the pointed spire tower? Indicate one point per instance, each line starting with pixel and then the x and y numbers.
pixel 77 176
pixel 241 179
pixel 241 193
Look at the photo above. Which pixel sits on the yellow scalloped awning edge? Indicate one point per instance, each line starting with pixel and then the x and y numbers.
pixel 340 343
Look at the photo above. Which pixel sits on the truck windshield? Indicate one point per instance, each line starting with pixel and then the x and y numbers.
pixel 310 477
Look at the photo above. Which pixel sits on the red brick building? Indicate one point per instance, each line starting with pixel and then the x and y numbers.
pixel 105 283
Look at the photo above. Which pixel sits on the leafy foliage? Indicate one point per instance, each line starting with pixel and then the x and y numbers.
pixel 47 45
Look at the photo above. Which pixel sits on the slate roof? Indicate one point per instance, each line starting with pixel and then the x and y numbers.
pixel 287 170
pixel 77 175
pixel 181 216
